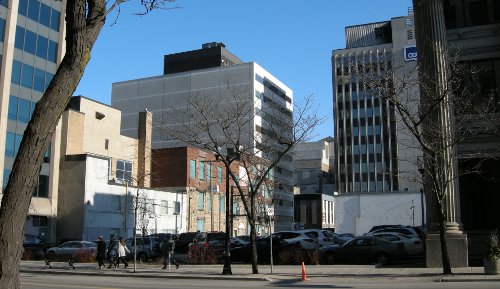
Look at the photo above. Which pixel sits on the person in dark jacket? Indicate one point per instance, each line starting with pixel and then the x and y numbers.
pixel 101 252
pixel 168 248
pixel 112 254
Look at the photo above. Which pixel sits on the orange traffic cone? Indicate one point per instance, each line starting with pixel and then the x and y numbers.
pixel 304 275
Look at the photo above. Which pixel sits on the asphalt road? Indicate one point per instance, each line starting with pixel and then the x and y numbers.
pixel 52 281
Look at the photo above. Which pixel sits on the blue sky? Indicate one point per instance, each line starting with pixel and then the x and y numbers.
pixel 292 39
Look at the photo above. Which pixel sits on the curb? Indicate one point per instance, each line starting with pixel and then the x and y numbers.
pixel 151 275
pixel 450 280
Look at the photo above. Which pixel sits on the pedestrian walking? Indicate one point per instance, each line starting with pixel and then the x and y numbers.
pixel 101 252
pixel 122 253
pixel 112 253
pixel 168 249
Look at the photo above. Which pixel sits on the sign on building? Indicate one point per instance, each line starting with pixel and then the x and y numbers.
pixel 410 53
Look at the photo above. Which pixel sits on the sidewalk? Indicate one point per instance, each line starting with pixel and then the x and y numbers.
pixel 334 273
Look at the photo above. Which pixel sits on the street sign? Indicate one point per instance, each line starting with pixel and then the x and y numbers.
pixel 270 211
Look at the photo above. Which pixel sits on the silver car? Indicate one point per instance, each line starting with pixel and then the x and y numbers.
pixel 72 247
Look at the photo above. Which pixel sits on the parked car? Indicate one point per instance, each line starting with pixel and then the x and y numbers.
pixel 183 241
pixel 346 236
pixel 72 247
pixel 297 237
pixel 212 240
pixel 413 245
pixel 148 247
pixel 244 253
pixel 324 237
pixel 362 250
pixel 404 230
pixel 237 242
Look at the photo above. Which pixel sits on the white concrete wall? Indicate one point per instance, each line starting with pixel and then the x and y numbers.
pixel 358 213
pixel 105 206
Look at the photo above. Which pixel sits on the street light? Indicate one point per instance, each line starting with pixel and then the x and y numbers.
pixel 231 155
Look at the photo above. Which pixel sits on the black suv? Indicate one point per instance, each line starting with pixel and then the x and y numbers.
pixel 148 247
pixel 183 241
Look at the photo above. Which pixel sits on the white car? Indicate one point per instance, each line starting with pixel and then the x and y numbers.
pixel 292 237
pixel 324 237
pixel 413 245
pixel 73 247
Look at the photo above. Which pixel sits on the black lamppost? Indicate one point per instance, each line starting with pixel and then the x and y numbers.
pixel 231 156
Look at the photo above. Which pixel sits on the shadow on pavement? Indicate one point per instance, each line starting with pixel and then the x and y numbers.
pixel 303 284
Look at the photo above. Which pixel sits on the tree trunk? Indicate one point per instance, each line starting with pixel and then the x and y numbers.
pixel 253 234
pixel 24 175
pixel 442 238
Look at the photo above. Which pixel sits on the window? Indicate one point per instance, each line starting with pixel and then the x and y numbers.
pixel 48 78
pixel 39 80
pixel 23 7
pixel 27 76
pixel 106 144
pixel 41 47
pixel 42 191
pixel 52 52
pixel 30 42
pixel 33 10
pixel 124 171
pixel 201 173
pixel 478 13
pixel 54 20
pixel 200 225
pixel 16 72
pixel 209 204
pixel 219 175
pixel 24 111
pixel 45 15
pixel 40 221
pixel 222 204
pixel 164 208
pixel 209 172
pixel 12 107
pixel 192 169
pixel 2 29
pixel 10 144
pixel 6 175
pixel 201 201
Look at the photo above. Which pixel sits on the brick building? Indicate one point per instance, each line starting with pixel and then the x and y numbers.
pixel 200 176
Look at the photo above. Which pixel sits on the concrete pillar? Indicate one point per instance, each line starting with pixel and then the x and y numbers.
pixel 144 151
pixel 434 72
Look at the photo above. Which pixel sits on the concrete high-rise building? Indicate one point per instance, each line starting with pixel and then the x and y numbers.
pixel 370 151
pixel 32 45
pixel 377 175
pixel 210 72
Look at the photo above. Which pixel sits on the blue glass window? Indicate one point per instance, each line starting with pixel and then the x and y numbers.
pixel 34 10
pixel 219 175
pixel 54 20
pixel 222 204
pixel 13 107
pixel 10 144
pixel 23 7
pixel 48 78
pixel 201 199
pixel 3 3
pixel 200 225
pixel 45 15
pixel 52 56
pixel 192 169
pixel 30 42
pixel 19 42
pixel 2 29
pixel 201 173
pixel 19 138
pixel 16 72
pixel 27 76
pixel 41 47
pixel 24 111
pixel 39 81
pixel 209 202
pixel 6 175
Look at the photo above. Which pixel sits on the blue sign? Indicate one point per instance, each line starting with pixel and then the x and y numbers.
pixel 410 53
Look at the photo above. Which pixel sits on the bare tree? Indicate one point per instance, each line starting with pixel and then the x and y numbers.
pixel 258 132
pixel 84 21
pixel 421 125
